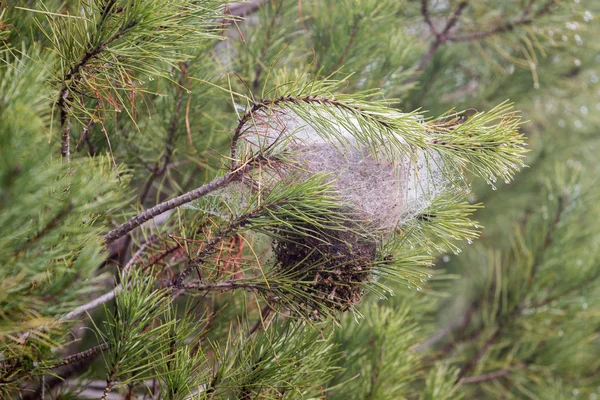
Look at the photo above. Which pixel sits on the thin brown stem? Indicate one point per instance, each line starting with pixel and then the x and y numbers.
pixel 515 311
pixel 440 38
pixel 260 322
pixel 480 353
pixel 346 51
pixel 508 26
pixel 161 165
pixel 259 63
pixel 453 20
pixel 427 17
pixel 59 377
pixel 211 245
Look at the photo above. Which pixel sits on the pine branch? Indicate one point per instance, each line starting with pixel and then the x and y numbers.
pixel 158 209
pixel 225 286
pixel 160 168
pixel 427 17
pixel 260 322
pixel 259 63
pixel 440 37
pixel 474 145
pixel 344 54
pixel 65 149
pixel 92 304
pixel 506 27
pixel 95 51
pixel 490 376
pixel 110 380
pixel 81 356
pixel 243 9
pixel 107 296
pixel 70 78
pixel 59 377
pixel 507 319
pixel 210 246
pixel 266 103
pixel 443 36
pixel 480 353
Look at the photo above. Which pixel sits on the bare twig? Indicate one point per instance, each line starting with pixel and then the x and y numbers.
pixel 242 9
pixel 475 359
pixel 457 325
pixel 506 27
pixel 506 320
pixel 490 376
pixel 259 63
pixel 79 357
pixel 161 165
pixel 453 20
pixel 427 17
pixel 65 122
pixel 440 37
pixel 59 377
pixel 158 209
pixel 92 304
pixel 344 54
pixel 225 285
pixel 107 296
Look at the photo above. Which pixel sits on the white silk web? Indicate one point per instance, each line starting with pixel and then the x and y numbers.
pixel 387 188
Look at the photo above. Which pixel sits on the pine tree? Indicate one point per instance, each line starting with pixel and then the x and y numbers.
pixel 277 199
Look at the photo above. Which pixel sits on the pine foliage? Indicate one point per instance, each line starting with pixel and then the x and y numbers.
pixel 285 199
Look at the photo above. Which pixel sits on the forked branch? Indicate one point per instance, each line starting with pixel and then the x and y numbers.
pixel 445 35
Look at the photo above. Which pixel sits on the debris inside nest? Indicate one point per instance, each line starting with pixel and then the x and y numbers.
pixel 336 262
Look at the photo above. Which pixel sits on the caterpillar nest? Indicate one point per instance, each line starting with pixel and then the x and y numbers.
pixel 381 190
